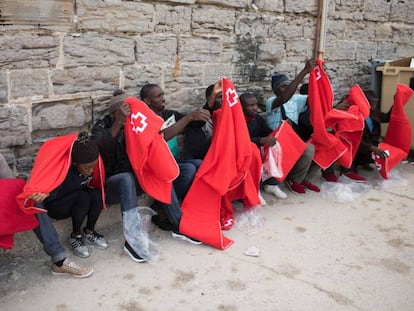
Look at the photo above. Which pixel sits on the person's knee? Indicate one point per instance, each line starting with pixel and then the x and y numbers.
pixel 187 170
pixel 309 151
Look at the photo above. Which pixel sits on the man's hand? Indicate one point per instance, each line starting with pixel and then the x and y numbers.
pixel 199 115
pixel 122 113
pixel 379 152
pixel 309 65
pixel 38 197
pixel 268 141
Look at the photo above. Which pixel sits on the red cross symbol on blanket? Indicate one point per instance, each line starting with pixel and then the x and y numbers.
pixel 138 122
pixel 232 97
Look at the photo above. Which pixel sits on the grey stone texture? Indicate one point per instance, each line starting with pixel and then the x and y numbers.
pixel 58 78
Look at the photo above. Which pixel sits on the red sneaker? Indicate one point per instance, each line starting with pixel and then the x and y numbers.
pixel 311 186
pixel 330 177
pixel 355 177
pixel 226 223
pixel 295 187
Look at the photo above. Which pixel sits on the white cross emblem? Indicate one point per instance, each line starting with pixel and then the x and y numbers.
pixel 140 119
pixel 232 97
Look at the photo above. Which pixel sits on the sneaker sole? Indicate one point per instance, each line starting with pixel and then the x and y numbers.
pixel 132 257
pixel 96 245
pixel 184 238
pixel 73 275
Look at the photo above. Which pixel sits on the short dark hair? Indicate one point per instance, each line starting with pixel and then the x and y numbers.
pixel 243 97
pixel 84 149
pixel 209 90
pixel 144 93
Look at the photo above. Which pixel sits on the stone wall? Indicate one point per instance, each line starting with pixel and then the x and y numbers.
pixel 58 69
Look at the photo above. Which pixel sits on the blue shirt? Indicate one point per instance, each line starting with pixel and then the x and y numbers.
pixel 293 107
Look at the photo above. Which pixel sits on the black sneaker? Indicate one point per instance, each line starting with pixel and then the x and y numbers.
pixel 176 235
pixel 132 254
pixel 163 224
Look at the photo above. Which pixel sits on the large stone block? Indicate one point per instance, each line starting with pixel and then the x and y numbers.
pixel 119 16
pixel 208 19
pixel 386 51
pixel 366 50
pixel 213 72
pixel 198 49
pixel 259 25
pixel 29 83
pixel 402 11
pixel 342 50
pixel 14 125
pixel 271 50
pixel 165 45
pixel 50 119
pixel 300 6
pixel 92 49
pixel 3 87
pixel 136 76
pixel 25 50
pixel 228 3
pixel 85 79
pixel 299 50
pixel 375 10
pixel 269 5
pixel 174 19
pixel 347 10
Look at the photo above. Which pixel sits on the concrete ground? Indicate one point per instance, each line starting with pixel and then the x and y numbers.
pixel 315 254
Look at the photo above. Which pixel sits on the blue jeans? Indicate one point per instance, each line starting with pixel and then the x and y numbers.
pixel 46 233
pixel 182 183
pixel 124 188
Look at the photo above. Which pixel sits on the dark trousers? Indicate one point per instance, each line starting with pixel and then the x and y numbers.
pixel 78 205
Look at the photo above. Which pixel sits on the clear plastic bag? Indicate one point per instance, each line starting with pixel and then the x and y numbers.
pixel 395 180
pixel 136 233
pixel 249 220
pixel 344 191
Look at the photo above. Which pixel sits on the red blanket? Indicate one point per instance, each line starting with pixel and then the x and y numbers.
pixel 150 157
pixel 225 166
pixel 397 140
pixel 342 142
pixel 12 218
pixel 285 154
pixel 50 169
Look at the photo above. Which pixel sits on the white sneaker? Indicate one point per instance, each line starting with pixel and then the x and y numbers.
pixel 276 191
pixel 262 200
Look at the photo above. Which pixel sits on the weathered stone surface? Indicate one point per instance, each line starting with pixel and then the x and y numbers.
pixel 208 19
pixel 85 79
pixel 3 87
pixel 299 50
pixel 342 50
pixel 213 72
pixel 175 19
pixel 51 118
pixel 366 50
pixel 228 3
pixel 198 49
pixel 376 10
pixel 28 51
pixel 119 16
pixel 269 5
pixel 259 25
pixel 165 45
pixel 347 10
pixel 299 6
pixel 30 82
pixel 136 76
pixel 402 11
pixel 95 49
pixel 272 51
pixel 14 122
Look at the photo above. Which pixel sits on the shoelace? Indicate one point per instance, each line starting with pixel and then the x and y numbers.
pixel 71 264
pixel 77 243
pixel 95 236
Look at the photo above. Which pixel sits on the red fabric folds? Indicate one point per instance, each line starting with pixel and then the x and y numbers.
pixel 12 218
pixel 289 149
pixel 224 168
pixel 341 143
pixel 397 140
pixel 150 157
pixel 50 169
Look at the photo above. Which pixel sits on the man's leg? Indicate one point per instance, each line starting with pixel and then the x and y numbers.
pixel 46 233
pixel 183 182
